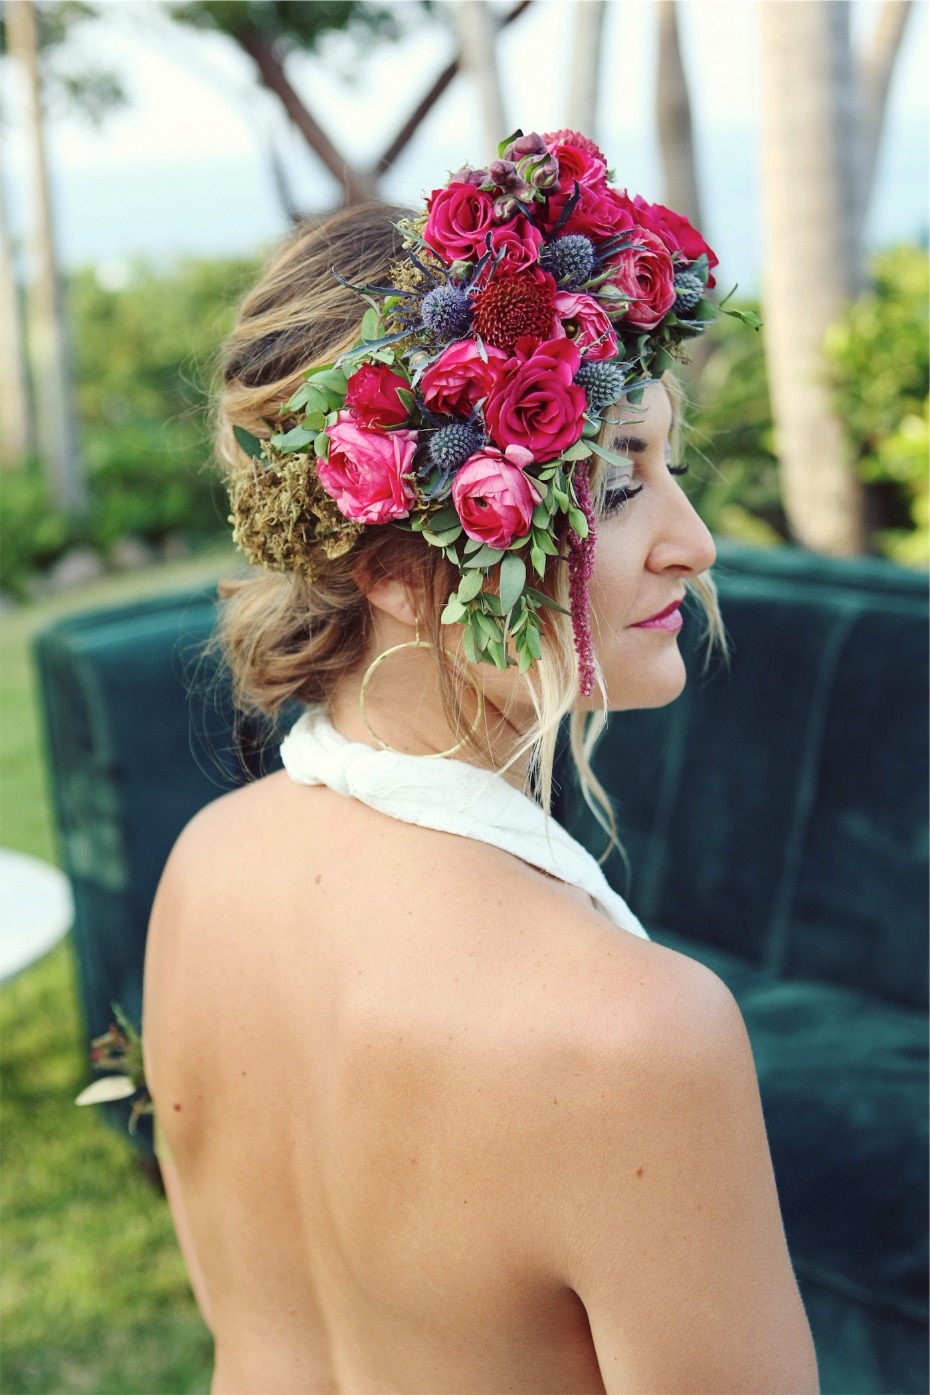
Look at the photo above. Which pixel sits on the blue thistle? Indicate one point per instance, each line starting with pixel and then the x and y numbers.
pixel 689 292
pixel 451 446
pixel 603 383
pixel 445 311
pixel 570 259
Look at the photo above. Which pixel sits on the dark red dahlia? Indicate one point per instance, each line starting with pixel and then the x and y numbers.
pixel 511 307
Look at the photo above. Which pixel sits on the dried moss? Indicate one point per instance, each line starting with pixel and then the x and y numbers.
pixel 283 518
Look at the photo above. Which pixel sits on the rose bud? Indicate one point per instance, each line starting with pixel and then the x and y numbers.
pixel 545 175
pixel 505 208
pixel 467 175
pixel 532 144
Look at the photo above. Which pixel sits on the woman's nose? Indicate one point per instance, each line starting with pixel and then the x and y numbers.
pixel 685 542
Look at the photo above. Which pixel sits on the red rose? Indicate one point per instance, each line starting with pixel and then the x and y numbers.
pixel 675 231
pixel 536 404
pixel 646 276
pixel 460 377
pixel 460 218
pixel 599 213
pixel 493 497
pixel 372 395
pixel 517 243
pixel 581 162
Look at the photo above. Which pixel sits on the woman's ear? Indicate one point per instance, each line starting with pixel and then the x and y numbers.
pixel 387 594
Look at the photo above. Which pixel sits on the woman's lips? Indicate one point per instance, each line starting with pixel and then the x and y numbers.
pixel 668 619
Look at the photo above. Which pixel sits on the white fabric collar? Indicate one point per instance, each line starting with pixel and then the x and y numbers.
pixel 452 797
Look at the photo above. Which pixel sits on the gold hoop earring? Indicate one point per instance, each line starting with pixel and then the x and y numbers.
pixel 416 643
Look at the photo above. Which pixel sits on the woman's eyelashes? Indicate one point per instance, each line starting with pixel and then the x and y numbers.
pixel 620 493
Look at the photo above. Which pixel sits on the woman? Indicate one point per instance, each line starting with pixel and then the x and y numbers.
pixel 437 1116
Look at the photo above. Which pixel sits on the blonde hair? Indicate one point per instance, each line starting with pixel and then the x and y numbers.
pixel 286 636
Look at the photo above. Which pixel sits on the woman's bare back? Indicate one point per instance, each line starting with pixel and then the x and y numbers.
pixel 383 1058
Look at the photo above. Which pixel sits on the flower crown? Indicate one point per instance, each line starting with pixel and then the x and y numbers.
pixel 530 296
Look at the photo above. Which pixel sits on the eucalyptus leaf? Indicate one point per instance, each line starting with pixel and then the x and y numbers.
pixel 578 521
pixel 579 451
pixel 442 539
pixel 480 638
pixel 512 580
pixel 444 518
pixel 371 324
pixel 612 457
pixel 470 585
pixel 486 625
pixel 533 641
pixel 541 516
pixel 485 557
pixel 469 645
pixel 454 612
pixel 538 559
pixel 542 599
pixel 295 439
pixel 249 443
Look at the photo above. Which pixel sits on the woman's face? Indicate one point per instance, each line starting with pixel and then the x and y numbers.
pixel 649 539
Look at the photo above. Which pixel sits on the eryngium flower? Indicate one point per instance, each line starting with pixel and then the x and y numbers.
pixel 603 383
pixel 451 446
pixel 569 259
pixel 689 292
pixel 445 311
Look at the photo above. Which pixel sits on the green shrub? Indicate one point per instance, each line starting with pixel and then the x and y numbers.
pixel 880 362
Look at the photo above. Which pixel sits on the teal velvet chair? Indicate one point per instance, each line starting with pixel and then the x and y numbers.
pixel 775 820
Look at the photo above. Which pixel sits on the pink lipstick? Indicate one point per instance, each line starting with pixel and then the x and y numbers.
pixel 668 619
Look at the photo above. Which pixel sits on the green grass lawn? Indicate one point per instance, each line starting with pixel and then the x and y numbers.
pixel 93 1292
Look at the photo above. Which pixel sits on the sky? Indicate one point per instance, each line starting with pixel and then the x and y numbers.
pixel 184 169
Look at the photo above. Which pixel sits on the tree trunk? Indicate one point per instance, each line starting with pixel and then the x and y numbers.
pixel 584 82
pixel 16 435
pixel 673 118
pixel 813 256
pixel 875 69
pixel 48 342
pixel 477 35
pixel 359 185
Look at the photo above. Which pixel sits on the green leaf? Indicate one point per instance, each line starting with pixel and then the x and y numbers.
pixel 249 443
pixel 470 585
pixel 611 456
pixel 590 428
pixel 316 400
pixel 481 639
pixel 546 543
pixel 454 612
pixel 314 422
pixel 444 518
pixel 321 446
pixel 538 559
pixel 512 580
pixel 469 645
pixel 442 539
pixel 579 451
pixel 541 516
pixel 330 380
pixel 486 625
pixel 578 521
pixel 371 325
pixel 533 641
pixel 496 651
pixel 746 317
pixel 295 439
pixel 508 140
pixel 542 599
pixel 407 398
pixel 485 557
pixel 298 400
pixel 524 661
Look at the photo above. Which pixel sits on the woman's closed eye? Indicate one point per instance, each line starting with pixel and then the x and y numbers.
pixel 620 493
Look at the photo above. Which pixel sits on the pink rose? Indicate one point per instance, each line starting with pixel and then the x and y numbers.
pixel 493 497
pixel 460 377
pixel 365 471
pixel 586 324
pixel 675 230
pixel 372 395
pixel 536 404
pixel 583 163
pixel 646 276
pixel 460 218
pixel 517 244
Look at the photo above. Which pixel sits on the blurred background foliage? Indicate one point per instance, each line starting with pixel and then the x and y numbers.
pixel 144 356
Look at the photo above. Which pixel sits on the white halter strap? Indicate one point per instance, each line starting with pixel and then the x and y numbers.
pixel 452 797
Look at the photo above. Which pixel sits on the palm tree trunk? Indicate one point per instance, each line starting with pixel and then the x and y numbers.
pixel 16 434
pixel 477 34
pixel 811 171
pixel 57 437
